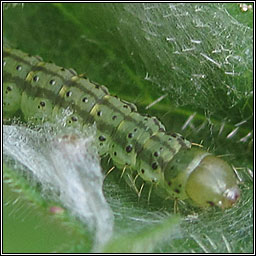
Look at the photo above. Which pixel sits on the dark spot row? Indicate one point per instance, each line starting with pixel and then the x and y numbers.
pixel 69 94
pixel 176 189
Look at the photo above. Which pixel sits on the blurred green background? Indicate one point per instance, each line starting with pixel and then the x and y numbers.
pixel 142 52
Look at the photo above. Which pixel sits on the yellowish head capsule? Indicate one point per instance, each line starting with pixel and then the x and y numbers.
pixel 213 182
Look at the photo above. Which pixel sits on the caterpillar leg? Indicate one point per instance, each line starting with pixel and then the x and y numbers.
pixel 109 160
pixel 123 171
pixel 109 171
pixel 175 206
pixel 141 188
pixel 131 182
pixel 196 144
pixel 135 178
pixel 149 192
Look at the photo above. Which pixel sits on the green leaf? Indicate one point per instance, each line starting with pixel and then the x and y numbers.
pixel 144 241
pixel 198 56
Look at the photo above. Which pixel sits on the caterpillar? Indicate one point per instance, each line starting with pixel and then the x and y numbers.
pixel 40 91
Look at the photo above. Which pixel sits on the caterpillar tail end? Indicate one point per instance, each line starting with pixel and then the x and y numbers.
pixel 213 183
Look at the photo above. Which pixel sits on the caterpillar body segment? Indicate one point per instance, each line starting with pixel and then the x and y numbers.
pixel 136 143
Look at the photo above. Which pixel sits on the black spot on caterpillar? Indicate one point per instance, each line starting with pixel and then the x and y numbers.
pixel 139 143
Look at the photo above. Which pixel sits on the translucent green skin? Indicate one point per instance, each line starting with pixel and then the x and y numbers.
pixel 42 91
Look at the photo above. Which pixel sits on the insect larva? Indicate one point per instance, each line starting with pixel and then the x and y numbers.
pixel 40 91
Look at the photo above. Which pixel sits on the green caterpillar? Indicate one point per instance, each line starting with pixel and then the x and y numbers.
pixel 139 143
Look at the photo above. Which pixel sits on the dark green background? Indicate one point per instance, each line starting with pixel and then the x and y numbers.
pixel 107 42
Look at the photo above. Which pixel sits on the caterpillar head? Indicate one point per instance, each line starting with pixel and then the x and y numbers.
pixel 213 182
